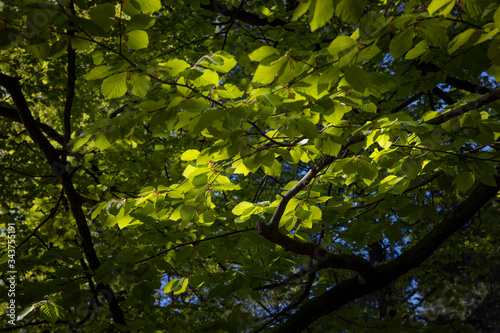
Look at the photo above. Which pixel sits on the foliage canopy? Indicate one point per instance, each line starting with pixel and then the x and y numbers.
pixel 246 166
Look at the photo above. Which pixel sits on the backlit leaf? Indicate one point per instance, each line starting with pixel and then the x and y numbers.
pixel 321 13
pixel 115 86
pixel 137 39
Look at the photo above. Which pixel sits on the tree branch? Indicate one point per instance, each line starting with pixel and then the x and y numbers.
pixel 52 156
pixel 70 85
pixel 192 243
pixel 407 102
pixel 444 96
pixel 482 101
pixel 270 230
pixel 278 213
pixel 325 258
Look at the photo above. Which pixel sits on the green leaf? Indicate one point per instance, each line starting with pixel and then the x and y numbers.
pixel 114 86
pixel 372 24
pixel 300 10
pixel 267 70
pixel 327 145
pixel 39 51
pixel 220 61
pixel 183 286
pixel 461 39
pixel 341 45
pixel 102 15
pixel 392 232
pixel 140 22
pixel 190 154
pixel 147 5
pixel 98 72
pixel 187 213
pixel 177 286
pixel 388 183
pixel 269 100
pixel 229 91
pixel 384 141
pixel 242 207
pixel 200 180
pixel 49 311
pixel 322 12
pixel 434 31
pixel 419 49
pixel 496 17
pixel 357 78
pixel 8 37
pixel 101 141
pixel 464 180
pixel 444 5
pixel 350 11
pixel 58 48
pixel 401 43
pixel 367 171
pixel 140 84
pixel 263 52
pixel 307 128
pixel 137 39
pixel 208 78
pixel 274 170
pixel 174 67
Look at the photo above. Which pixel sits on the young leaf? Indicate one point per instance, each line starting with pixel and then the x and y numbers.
pixel 25 312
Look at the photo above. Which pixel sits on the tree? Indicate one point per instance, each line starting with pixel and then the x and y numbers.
pixel 247 166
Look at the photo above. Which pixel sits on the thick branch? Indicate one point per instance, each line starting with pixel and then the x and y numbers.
pixel 325 258
pixel 70 92
pixel 450 224
pixel 271 232
pixel 13 87
pixel 352 289
pixel 482 101
pixel 444 96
